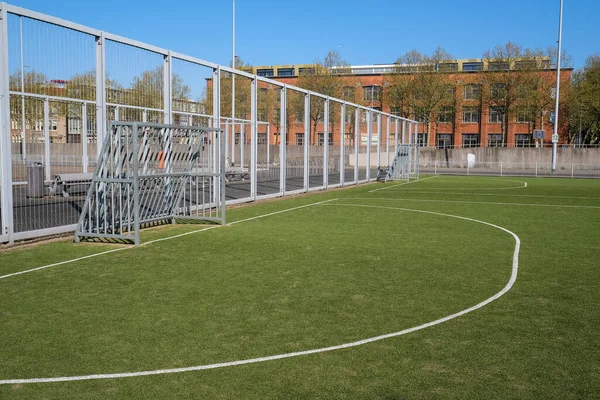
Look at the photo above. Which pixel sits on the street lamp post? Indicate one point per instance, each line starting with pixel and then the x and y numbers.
pixel 555 135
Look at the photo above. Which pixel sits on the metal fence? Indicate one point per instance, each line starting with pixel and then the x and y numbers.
pixel 62 83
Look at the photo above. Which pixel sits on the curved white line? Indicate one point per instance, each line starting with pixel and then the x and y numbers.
pixel 475 188
pixel 158 240
pixel 507 287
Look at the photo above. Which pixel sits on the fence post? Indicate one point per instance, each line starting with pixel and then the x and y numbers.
pixel 253 136
pixel 101 110
pixel 282 140
pixel 369 133
pixel 326 142
pixel 536 172
pixel 356 140
pixel 343 144
pixel 168 89
pixel 6 199
pixel 306 139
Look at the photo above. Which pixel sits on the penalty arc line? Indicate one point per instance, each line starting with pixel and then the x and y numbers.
pixel 73 260
pixel 507 287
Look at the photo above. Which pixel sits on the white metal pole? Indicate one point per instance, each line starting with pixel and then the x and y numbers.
pixel 233 63
pixel 555 135
pixel 23 135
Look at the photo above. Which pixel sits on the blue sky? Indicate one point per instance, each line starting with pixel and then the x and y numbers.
pixel 271 32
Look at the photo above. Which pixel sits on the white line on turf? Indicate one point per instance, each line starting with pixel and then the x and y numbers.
pixel 403 183
pixel 507 287
pixel 506 195
pixel 159 240
pixel 473 202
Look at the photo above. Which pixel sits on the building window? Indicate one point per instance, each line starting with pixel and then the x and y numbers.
pixel 495 140
pixel 471 114
pixel 265 72
pixel 53 124
pixel 444 140
pixel 524 116
pixel 75 126
pixel 530 64
pixel 473 66
pixel 321 139
pixel 306 71
pixel 237 138
pixel 371 93
pixel 299 116
pixel 261 138
pixel 498 91
pixel 496 115
pixel 445 115
pixel 523 140
pixel 525 90
pixel 447 67
pixel 472 92
pixel 348 93
pixel 397 111
pixel 470 140
pixel 285 72
pixel 300 138
pixel 349 138
pixel 261 115
pixel 420 114
pixel 498 66
pixel 422 140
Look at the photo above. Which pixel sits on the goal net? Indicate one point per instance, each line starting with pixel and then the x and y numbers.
pixel 405 164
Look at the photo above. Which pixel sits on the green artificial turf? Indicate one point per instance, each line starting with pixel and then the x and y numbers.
pixel 363 264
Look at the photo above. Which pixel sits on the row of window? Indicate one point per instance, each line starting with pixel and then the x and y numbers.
pixel 473 140
pixel 443 140
pixel 472 114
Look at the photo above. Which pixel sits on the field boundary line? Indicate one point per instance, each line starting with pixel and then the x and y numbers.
pixel 507 287
pixel 159 240
pixel 538 196
pixel 473 202
pixel 403 183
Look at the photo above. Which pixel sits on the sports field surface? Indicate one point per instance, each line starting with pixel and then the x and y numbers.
pixel 445 287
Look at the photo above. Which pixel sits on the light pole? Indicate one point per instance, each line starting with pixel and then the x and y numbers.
pixel 555 135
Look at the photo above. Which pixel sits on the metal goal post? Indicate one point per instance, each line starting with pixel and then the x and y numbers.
pixel 150 173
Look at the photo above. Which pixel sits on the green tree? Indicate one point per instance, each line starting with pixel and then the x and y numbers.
pixel 584 107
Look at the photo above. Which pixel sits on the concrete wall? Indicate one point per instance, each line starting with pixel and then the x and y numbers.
pixel 512 155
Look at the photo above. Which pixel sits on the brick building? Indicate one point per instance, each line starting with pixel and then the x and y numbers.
pixel 475 116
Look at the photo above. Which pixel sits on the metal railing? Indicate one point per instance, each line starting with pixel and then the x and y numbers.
pixel 61 83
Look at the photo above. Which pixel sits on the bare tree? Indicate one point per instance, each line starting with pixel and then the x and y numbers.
pixel 509 81
pixel 426 90
pixel 322 78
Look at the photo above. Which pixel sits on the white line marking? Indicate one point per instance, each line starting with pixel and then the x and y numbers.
pixel 403 183
pixel 506 195
pixel 158 240
pixel 480 188
pixel 507 287
pixel 472 202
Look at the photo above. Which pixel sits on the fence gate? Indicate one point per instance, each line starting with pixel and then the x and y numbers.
pixel 149 173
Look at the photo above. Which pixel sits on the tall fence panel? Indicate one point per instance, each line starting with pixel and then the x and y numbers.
pixel 61 85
